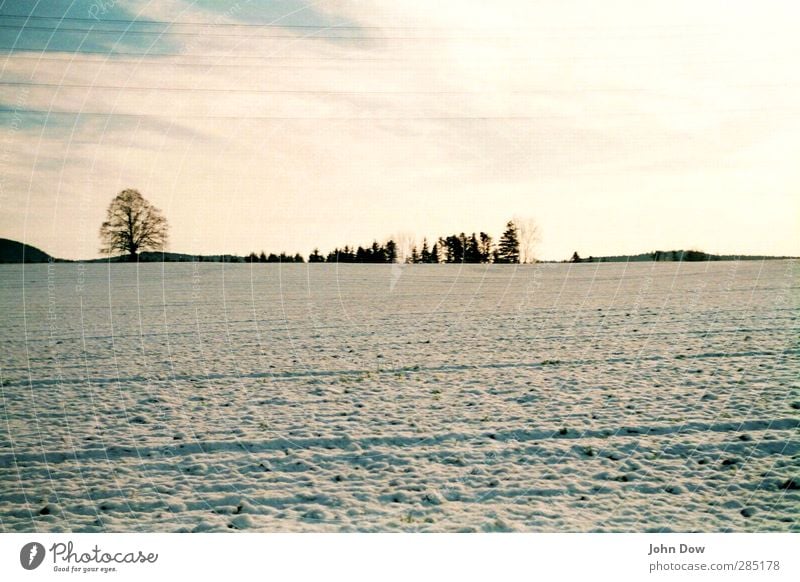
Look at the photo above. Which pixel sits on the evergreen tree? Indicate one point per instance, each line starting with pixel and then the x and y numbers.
pixel 434 258
pixel 315 257
pixel 425 255
pixel 376 253
pixel 485 247
pixel 508 247
pixel 472 250
pixel 454 249
pixel 391 251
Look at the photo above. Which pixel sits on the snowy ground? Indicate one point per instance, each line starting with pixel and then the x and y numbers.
pixel 593 397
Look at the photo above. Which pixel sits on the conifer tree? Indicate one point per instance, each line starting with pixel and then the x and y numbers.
pixel 508 247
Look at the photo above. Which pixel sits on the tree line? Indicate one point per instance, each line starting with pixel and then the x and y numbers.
pixel 273 258
pixel 133 226
pixel 692 255
pixel 473 248
pixel 136 230
pixel 455 248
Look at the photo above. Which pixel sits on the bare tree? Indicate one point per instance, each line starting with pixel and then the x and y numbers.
pixel 529 238
pixel 133 225
pixel 405 242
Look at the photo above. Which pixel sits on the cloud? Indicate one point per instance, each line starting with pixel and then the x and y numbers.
pixel 348 120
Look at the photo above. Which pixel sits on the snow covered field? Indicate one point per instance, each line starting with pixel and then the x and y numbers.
pixel 591 397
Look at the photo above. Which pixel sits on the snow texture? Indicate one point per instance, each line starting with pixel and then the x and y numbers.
pixel 213 397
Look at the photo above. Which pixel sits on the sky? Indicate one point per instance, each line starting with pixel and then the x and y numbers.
pixel 618 126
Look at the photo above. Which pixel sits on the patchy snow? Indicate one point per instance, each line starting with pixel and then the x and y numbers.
pixel 211 397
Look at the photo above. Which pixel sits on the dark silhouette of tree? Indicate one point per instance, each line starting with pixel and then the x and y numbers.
pixel 442 250
pixel 262 258
pixel 454 249
pixel 345 255
pixel 298 258
pixel 425 255
pixel 434 258
pixel 575 258
pixel 449 250
pixel 315 257
pixel 485 247
pixel 251 258
pixel 695 255
pixel 133 225
pixel 508 247
pixel 471 250
pixel 390 251
pixel 377 254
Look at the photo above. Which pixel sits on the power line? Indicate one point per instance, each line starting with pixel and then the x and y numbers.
pixel 362 92
pixel 71 59
pixel 15 52
pixel 328 26
pixel 59 29
pixel 167 23
pixel 13 49
pixel 105 62
pixel 512 118
pixel 289 91
pixel 261 117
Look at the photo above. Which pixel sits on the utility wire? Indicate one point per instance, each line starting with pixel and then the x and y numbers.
pixel 59 29
pixel 331 26
pixel 362 92
pixel 15 52
pixel 511 118
pixel 312 35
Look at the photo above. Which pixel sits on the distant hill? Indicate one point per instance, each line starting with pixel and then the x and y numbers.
pixel 164 257
pixel 676 256
pixel 12 251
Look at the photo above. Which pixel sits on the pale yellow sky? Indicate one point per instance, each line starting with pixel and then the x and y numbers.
pixel 622 127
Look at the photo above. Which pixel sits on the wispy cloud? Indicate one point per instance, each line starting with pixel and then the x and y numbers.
pixel 345 120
